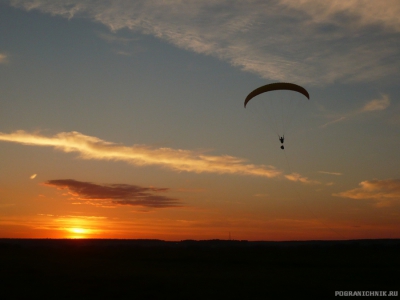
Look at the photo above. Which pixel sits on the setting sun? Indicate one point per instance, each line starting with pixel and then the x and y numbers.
pixel 78 230
pixel 78 233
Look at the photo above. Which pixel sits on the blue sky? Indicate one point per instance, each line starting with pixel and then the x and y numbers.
pixel 147 97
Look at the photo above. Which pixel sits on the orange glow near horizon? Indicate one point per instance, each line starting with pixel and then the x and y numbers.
pixel 80 228
pixel 77 227
pixel 171 225
pixel 78 233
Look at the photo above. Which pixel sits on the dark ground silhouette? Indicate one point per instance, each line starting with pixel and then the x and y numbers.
pixel 215 269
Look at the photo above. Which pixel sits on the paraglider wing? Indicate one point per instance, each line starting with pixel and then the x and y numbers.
pixel 275 87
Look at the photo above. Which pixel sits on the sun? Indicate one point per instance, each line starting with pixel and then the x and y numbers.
pixel 78 233
pixel 78 227
pixel 78 230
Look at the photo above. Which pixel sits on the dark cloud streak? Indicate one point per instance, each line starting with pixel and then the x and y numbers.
pixel 119 194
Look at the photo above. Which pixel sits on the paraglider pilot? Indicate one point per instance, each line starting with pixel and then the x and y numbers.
pixel 282 139
pixel 276 87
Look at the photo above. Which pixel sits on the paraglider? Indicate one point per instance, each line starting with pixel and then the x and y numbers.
pixel 277 87
pixel 282 139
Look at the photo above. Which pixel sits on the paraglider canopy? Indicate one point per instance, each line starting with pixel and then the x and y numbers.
pixel 279 122
pixel 274 87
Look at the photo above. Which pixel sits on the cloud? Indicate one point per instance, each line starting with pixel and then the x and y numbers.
pixel 384 191
pixel 178 160
pixel 364 12
pixel 336 120
pixel 33 176
pixel 120 42
pixel 298 178
pixel 119 194
pixel 3 58
pixel 377 104
pixel 305 41
pixel 330 173
pixel 112 38
pixel 261 195
pixel 371 106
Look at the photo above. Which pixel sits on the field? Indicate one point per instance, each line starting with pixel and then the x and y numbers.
pixel 215 269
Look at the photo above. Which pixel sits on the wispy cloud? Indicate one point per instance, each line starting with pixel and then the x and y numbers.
pixel 179 160
pixel 305 41
pixel 3 58
pixel 120 43
pixel 118 194
pixel 364 12
pixel 330 173
pixel 112 38
pixel 124 53
pixel 384 191
pixel 377 104
pixel 374 105
pixel 336 120
pixel 298 178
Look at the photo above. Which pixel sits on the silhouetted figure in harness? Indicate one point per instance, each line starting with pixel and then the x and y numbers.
pixel 282 139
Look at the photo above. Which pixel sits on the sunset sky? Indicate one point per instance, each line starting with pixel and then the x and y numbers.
pixel 126 119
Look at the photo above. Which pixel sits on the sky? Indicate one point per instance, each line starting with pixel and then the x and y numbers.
pixel 125 119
